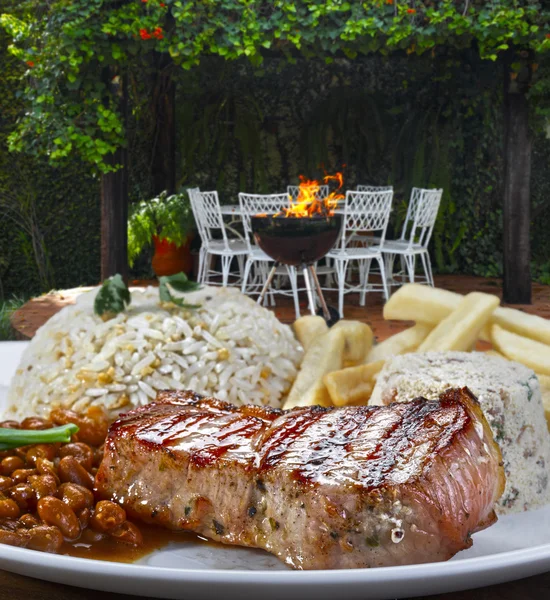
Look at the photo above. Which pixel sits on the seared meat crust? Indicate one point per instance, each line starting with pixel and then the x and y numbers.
pixel 320 488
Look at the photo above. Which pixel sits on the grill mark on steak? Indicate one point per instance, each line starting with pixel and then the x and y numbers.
pixel 318 487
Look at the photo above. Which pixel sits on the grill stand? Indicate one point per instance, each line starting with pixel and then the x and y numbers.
pixel 308 270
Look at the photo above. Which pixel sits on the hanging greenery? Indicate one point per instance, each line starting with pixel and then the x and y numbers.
pixel 71 48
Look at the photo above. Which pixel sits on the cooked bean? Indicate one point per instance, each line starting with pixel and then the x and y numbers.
pixel 127 533
pixel 47 451
pixel 99 453
pixel 82 452
pixel 107 516
pixel 11 464
pixel 28 521
pixel 45 538
pixel 9 509
pixel 76 496
pixel 9 424
pixel 5 483
pixel 14 538
pixel 43 485
pixel 84 517
pixel 36 423
pixel 89 536
pixel 22 475
pixel 55 512
pixel 70 470
pixel 47 467
pixel 24 495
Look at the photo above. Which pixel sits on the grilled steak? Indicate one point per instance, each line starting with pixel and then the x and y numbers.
pixel 319 488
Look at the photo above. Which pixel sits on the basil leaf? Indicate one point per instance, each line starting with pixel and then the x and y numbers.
pixel 180 283
pixel 112 298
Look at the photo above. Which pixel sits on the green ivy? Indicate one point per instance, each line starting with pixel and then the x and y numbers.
pixel 76 52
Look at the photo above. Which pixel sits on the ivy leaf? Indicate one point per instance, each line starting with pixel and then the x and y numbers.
pixel 112 298
pixel 180 283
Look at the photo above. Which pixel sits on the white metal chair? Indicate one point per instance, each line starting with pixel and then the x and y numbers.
pixel 374 188
pixel 253 204
pixel 208 217
pixel 363 212
pixel 294 190
pixel 415 236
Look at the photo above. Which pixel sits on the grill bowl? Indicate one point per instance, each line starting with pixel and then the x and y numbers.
pixel 296 242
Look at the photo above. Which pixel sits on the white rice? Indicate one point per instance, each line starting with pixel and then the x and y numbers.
pixel 230 348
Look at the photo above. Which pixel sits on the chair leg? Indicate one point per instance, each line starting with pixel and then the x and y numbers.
pixel 226 263
pixel 410 261
pixel 364 281
pixel 426 263
pixel 247 267
pixel 206 267
pixel 293 278
pixel 200 274
pixel 380 260
pixel 240 261
pixel 341 268
pixel 389 261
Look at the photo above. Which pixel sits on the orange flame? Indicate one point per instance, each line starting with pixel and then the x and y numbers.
pixel 309 204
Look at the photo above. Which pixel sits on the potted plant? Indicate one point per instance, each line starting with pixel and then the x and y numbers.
pixel 166 222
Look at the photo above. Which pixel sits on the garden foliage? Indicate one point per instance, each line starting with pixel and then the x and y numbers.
pixel 405 91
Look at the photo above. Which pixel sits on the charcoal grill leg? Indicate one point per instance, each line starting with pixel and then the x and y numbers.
pixel 326 313
pixel 267 283
pixel 309 290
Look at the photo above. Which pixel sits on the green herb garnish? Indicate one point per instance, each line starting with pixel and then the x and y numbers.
pixel 180 283
pixel 112 298
pixel 13 438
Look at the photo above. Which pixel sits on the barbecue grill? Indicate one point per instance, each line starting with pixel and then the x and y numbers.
pixel 298 242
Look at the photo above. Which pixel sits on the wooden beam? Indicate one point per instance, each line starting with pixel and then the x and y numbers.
pixel 114 196
pixel 517 178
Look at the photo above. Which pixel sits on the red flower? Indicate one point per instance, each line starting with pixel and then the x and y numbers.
pixel 158 33
pixel 144 1
pixel 162 5
pixel 548 36
pixel 30 63
pixel 411 11
pixel 144 34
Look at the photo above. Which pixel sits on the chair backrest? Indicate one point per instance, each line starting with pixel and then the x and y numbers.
pixel 374 188
pixel 366 212
pixel 421 216
pixel 294 190
pixel 254 204
pixel 207 213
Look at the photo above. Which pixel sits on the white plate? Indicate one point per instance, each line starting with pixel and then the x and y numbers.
pixel 517 546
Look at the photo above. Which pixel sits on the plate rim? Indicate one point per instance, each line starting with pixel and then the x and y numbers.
pixel 530 561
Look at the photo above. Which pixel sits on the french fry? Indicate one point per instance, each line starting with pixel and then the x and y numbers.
pixel 495 353
pixel 421 303
pixel 400 343
pixel 460 330
pixel 325 354
pixel 353 385
pixel 358 338
pixel 544 381
pixel 307 328
pixel 516 321
pixel 532 354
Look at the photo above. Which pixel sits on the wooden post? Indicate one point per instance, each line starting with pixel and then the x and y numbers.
pixel 114 196
pixel 164 150
pixel 517 177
